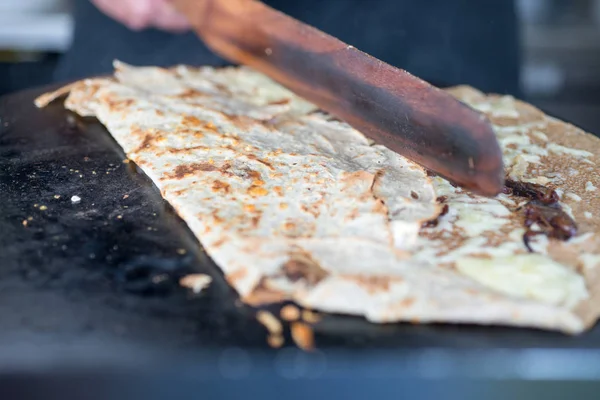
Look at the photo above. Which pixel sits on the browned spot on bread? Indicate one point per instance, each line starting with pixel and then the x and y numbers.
pixel 219 186
pixel 257 191
pixel 263 162
pixel 211 127
pixel 190 121
pixel 280 102
pixel 189 94
pixel 312 210
pixel 149 138
pixel 278 190
pixel 301 266
pixel 188 149
pixel 115 104
pixel 256 219
pixel 189 169
pixel 242 122
pixel 219 242
pixel 182 171
pixel 373 284
pixel 236 276
pixel 407 302
pixel 254 175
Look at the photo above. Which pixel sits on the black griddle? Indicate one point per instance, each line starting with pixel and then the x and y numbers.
pixel 93 285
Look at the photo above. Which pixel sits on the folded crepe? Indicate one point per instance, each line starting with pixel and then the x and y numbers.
pixel 292 204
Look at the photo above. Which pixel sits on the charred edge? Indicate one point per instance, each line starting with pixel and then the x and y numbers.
pixel 434 222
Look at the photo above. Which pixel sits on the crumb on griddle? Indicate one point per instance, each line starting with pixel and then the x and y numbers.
pixel 275 341
pixel 290 313
pixel 303 336
pixel 270 322
pixel 196 282
pixel 310 316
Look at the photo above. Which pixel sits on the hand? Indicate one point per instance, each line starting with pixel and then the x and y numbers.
pixel 142 14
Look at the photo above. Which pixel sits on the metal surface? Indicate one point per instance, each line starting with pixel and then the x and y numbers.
pixel 387 104
pixel 76 282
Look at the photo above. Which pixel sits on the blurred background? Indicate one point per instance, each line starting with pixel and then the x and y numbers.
pixel 560 39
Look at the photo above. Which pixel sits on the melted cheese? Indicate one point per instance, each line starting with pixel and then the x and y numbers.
pixel 530 276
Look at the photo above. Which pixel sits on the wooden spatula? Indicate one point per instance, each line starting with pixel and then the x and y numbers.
pixel 389 105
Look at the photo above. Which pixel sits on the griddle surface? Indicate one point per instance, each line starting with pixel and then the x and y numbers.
pixel 76 277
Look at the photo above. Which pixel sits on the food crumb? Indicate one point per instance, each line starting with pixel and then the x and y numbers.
pixel 57 196
pixel 126 196
pixel 119 217
pixel 24 222
pixel 181 251
pixel 29 218
pixel 290 313
pixel 269 321
pixel 310 316
pixel 303 336
pixel 126 161
pixel 43 208
pixel 196 282
pixel 75 199
pixel 275 341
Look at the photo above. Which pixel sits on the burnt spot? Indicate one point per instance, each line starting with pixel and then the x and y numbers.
pixel 414 195
pixel 442 199
pixel 301 266
pixel 543 209
pixel 434 222
pixel 552 220
pixel 430 173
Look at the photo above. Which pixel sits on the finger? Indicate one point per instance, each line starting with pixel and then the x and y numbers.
pixel 167 18
pixel 135 14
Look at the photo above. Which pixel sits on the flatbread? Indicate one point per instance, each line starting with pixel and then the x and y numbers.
pixel 294 205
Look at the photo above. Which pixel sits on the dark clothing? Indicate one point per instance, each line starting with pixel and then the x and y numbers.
pixel 445 42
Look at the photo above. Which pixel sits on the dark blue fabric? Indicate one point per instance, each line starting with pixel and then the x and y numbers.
pixel 446 42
